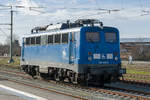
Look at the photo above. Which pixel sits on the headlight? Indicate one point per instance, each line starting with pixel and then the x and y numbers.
pixel 116 58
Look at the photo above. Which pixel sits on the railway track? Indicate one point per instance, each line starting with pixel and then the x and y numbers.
pixel 125 80
pixel 112 92
pixel 137 82
pixel 30 84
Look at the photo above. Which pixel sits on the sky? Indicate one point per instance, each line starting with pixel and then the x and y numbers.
pixel 132 17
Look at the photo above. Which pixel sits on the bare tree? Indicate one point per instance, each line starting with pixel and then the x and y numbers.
pixel 141 51
pixel 5 49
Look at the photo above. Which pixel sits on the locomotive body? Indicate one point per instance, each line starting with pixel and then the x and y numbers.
pixel 81 53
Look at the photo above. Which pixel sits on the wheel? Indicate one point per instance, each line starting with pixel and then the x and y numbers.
pixel 33 72
pixel 57 78
pixel 70 80
pixel 26 70
pixel 81 82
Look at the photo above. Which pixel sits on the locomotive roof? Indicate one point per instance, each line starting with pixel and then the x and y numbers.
pixel 66 27
pixel 62 31
pixel 54 32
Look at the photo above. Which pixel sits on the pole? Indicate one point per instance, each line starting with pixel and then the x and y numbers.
pixel 11 37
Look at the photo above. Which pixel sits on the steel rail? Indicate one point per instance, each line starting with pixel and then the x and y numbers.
pixel 94 89
pixel 45 89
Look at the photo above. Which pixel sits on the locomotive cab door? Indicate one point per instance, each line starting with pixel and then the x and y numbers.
pixel 72 48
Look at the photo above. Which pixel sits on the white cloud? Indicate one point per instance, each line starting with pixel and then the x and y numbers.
pixel 26 7
pixel 26 3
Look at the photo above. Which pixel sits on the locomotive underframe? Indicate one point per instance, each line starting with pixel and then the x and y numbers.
pixel 97 73
pixel 92 73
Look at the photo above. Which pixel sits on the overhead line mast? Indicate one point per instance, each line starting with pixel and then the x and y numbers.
pixel 11 59
pixel 11 34
pixel 11 24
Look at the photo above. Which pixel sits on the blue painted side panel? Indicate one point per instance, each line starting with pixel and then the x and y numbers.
pixel 59 53
pixel 46 53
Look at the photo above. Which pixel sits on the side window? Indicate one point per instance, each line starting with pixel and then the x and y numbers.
pixel 44 39
pixel 38 40
pixel 65 38
pixel 27 41
pixel 111 37
pixel 32 40
pixel 50 39
pixel 57 38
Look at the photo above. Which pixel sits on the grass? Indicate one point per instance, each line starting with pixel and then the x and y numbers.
pixel 4 62
pixel 140 68
pixel 137 78
pixel 134 71
pixel 137 69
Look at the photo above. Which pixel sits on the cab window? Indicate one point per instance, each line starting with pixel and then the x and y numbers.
pixel 92 37
pixel 110 37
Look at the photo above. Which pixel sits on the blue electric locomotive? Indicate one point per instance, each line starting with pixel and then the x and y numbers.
pixel 83 51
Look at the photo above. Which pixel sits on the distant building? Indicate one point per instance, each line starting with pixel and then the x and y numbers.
pixel 6 55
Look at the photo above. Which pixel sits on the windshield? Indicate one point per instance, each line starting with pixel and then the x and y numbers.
pixel 110 37
pixel 92 37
